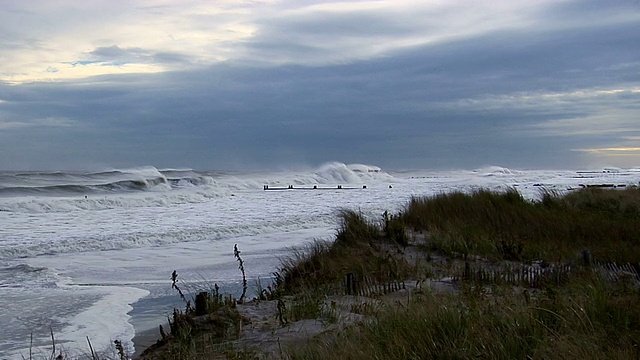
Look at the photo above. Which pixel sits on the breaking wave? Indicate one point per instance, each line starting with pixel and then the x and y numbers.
pixel 149 187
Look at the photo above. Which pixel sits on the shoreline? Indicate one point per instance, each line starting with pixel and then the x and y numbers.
pixel 146 315
pixel 145 338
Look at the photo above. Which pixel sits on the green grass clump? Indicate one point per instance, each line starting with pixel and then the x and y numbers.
pixel 355 229
pixel 505 226
pixel 358 249
pixel 304 305
pixel 201 330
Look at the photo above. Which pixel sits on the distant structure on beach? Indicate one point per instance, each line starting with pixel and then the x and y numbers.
pixel 315 187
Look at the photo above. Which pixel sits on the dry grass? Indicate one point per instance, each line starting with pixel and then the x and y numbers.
pixel 586 319
pixel 359 248
pixel 504 226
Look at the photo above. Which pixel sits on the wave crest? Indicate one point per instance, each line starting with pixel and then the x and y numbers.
pixel 495 171
pixel 336 172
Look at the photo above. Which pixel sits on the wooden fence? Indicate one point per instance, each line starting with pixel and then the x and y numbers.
pixel 615 272
pixel 519 274
pixel 353 284
pixel 514 274
pixel 534 275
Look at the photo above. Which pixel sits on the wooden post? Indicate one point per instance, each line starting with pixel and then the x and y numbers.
pixel 587 258
pixel 351 284
pixel 201 303
pixel 467 270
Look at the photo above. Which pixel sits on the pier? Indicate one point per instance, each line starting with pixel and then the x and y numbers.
pixel 314 187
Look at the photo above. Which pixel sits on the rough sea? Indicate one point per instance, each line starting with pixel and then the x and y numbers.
pixel 91 254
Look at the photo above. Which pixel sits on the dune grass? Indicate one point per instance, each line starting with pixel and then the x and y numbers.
pixel 505 226
pixel 358 248
pixel 586 316
pixel 586 319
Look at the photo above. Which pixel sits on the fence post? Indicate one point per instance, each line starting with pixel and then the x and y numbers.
pixel 351 284
pixel 467 270
pixel 587 258
pixel 201 303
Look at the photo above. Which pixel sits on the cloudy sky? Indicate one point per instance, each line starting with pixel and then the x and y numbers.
pixel 232 84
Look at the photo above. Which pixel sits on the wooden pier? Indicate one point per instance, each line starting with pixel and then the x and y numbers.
pixel 314 187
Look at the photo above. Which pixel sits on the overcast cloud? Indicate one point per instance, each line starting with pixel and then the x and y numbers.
pixel 260 84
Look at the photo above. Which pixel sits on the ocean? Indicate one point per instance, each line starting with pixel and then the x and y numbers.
pixel 90 254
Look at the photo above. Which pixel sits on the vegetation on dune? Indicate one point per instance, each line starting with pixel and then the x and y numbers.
pixel 505 226
pixel 586 315
pixel 585 319
pixel 299 288
pixel 359 248
pixel 209 319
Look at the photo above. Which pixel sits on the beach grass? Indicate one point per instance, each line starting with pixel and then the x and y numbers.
pixel 586 319
pixel 359 248
pixel 587 315
pixel 505 226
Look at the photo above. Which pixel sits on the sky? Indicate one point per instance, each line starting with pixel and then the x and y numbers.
pixel 400 84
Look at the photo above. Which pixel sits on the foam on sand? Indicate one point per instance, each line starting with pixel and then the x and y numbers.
pixel 109 315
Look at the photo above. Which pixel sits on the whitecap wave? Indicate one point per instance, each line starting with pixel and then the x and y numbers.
pixel 495 171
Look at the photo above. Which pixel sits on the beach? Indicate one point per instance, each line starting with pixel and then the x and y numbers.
pixel 94 261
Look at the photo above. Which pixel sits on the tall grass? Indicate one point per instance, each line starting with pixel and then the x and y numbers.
pixel 357 249
pixel 585 316
pixel 586 319
pixel 506 226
